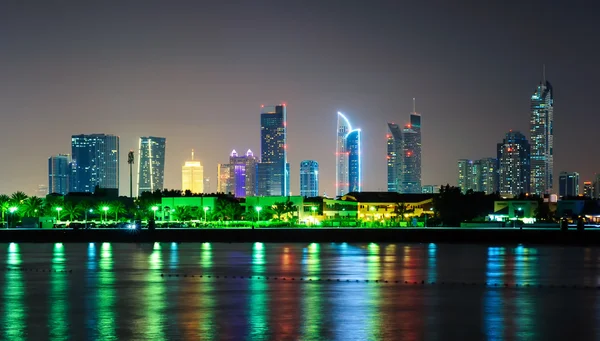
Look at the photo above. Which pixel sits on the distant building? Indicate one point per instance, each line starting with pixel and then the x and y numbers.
pixel 241 174
pixel 225 178
pixel 207 188
pixel 596 186
pixel 395 158
pixel 353 141
pixel 542 138
pixel 95 162
pixel 151 164
pixel 59 172
pixel 478 176
pixel 42 191
pixel 430 189
pixel 465 175
pixel 514 170
pixel 588 189
pixel 348 157
pixel 309 178
pixel 568 184
pixel 192 176
pixel 273 171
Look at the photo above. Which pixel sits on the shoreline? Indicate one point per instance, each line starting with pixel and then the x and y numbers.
pixel 291 235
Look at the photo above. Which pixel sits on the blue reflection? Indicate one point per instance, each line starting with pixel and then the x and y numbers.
pixel 525 273
pixel 493 304
pixel 432 263
pixel 15 314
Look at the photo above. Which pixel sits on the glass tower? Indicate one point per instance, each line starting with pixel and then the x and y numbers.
pixel 272 174
pixel 309 178
pixel 568 184
pixel 541 128
pixel 242 174
pixel 514 169
pixel 347 157
pixel 59 171
pixel 395 159
pixel 354 161
pixel 151 164
pixel 192 176
pixel 95 162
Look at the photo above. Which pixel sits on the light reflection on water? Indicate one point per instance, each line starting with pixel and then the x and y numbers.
pixel 124 296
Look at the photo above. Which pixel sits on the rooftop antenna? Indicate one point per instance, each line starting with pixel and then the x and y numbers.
pixel 414 105
pixel 192 155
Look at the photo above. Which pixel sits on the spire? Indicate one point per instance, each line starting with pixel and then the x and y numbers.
pixel 192 155
pixel 414 105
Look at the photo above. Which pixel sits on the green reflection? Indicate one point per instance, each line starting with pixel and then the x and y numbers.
pixel 106 295
pixel 373 291
pixel 14 292
pixel 155 297
pixel 59 303
pixel 525 273
pixel 259 300
pixel 207 299
pixel 313 297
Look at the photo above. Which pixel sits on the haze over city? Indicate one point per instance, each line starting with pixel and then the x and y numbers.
pixel 183 72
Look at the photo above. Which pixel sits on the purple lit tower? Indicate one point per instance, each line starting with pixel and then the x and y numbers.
pixel 243 173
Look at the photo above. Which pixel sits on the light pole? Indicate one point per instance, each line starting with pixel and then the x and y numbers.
pixel 12 211
pixel 86 212
pixel 154 209
pixel 105 209
pixel 314 208
pixel 258 209
pixel 58 209
pixel 206 208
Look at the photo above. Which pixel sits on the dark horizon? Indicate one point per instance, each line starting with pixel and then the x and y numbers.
pixel 197 73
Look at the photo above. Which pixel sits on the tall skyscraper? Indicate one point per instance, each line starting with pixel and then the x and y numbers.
pixel 95 162
pixel 272 177
pixel 395 158
pixel 59 172
pixel 514 169
pixel 568 184
pixel 192 176
pixel 151 164
pixel 309 178
pixel 588 190
pixel 225 178
pixel 542 138
pixel 465 175
pixel 348 157
pixel 242 174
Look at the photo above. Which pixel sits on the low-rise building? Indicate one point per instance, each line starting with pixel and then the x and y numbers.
pixel 391 206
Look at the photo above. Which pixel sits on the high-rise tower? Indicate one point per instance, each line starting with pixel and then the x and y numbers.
pixel 514 169
pixel 309 178
pixel 192 176
pixel 272 172
pixel 59 172
pixel 541 129
pixel 348 157
pixel 395 158
pixel 95 162
pixel 151 164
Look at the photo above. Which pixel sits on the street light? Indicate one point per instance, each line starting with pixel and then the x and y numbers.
pixel 58 209
pixel 105 209
pixel 154 209
pixel 258 209
pixel 314 209
pixel 86 212
pixel 12 211
pixel 206 208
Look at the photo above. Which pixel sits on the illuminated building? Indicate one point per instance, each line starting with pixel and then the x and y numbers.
pixel 465 175
pixel 59 171
pixel 478 176
pixel 404 155
pixel 542 138
pixel 395 151
pixel 514 169
pixel 151 164
pixel 192 176
pixel 95 162
pixel 588 189
pixel 568 184
pixel 239 176
pixel 273 170
pixel 224 178
pixel 596 186
pixel 348 157
pixel 42 191
pixel 430 189
pixel 309 178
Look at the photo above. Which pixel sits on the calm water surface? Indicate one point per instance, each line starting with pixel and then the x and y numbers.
pixel 108 291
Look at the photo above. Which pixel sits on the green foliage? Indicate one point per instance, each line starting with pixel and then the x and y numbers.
pixel 18 198
pixel 32 207
pixel 451 207
pixel 117 208
pixel 70 211
pixel 227 210
pixel 182 213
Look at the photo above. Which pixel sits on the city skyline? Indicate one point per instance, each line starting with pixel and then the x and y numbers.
pixel 192 80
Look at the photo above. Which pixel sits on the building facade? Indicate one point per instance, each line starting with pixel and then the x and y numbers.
pixel 309 178
pixel 395 158
pixel 273 171
pixel 465 175
pixel 239 176
pixel 568 184
pixel 151 164
pixel 192 176
pixel 478 175
pixel 342 182
pixel 225 181
pixel 59 172
pixel 588 189
pixel 514 169
pixel 542 138
pixel 353 140
pixel 95 162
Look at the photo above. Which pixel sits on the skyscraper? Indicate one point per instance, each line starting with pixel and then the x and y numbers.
pixel 225 179
pixel 542 138
pixel 348 157
pixel 192 176
pixel 242 173
pixel 59 173
pixel 309 178
pixel 514 169
pixel 588 190
pixel 568 184
pixel 272 178
pixel 95 162
pixel 478 175
pixel 395 158
pixel 151 164
pixel 465 175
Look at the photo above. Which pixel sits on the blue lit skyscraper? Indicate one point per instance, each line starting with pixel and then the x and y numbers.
pixel 348 157
pixel 514 168
pixel 151 164
pixel 95 162
pixel 273 170
pixel 59 171
pixel 541 128
pixel 309 178
pixel 395 159
pixel 242 171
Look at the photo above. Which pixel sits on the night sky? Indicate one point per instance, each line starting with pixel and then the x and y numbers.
pixel 196 72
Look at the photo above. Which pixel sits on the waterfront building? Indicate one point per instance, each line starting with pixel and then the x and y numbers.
pixel 192 176
pixel 588 189
pixel 59 171
pixel 95 162
pixel 514 169
pixel 485 175
pixel 348 157
pixel 568 184
pixel 395 158
pixel 272 178
pixel 224 178
pixel 240 176
pixel 353 140
pixel 151 164
pixel 542 138
pixel 309 178
pixel 465 175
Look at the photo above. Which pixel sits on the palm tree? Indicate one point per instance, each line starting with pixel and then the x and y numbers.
pixel 18 198
pixel 4 205
pixel 84 206
pixel 282 211
pixel 73 212
pixel 183 213
pixel 32 207
pixel 101 209
pixel 51 203
pixel 118 207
